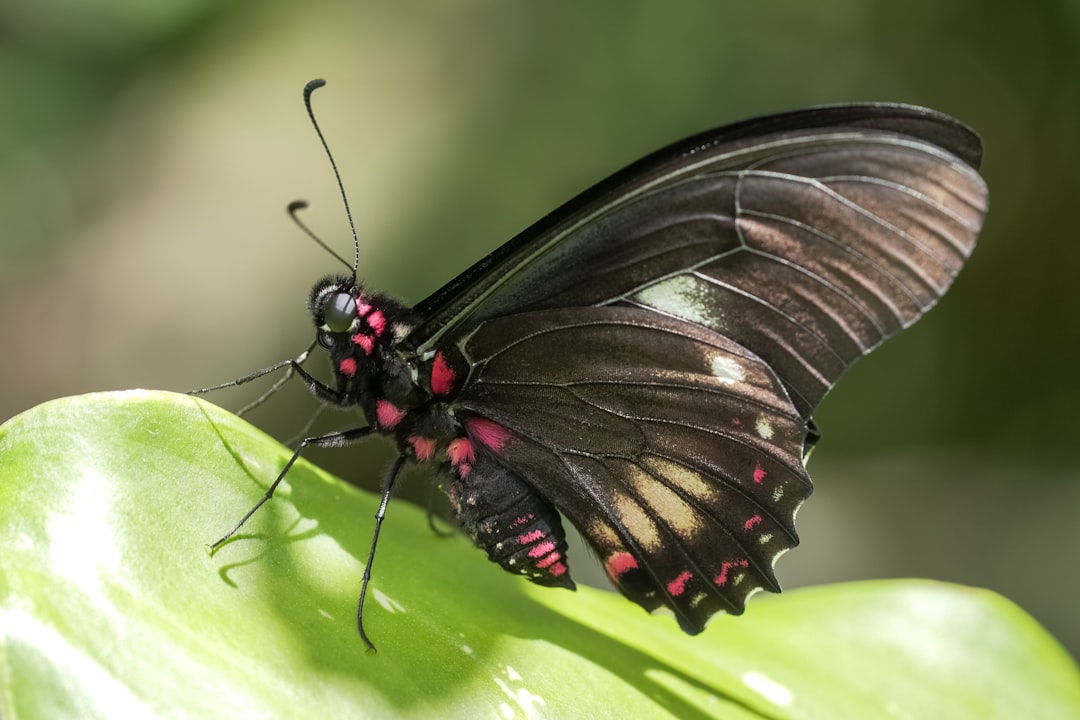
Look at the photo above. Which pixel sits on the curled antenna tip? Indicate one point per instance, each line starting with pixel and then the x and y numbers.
pixel 296 206
pixel 313 85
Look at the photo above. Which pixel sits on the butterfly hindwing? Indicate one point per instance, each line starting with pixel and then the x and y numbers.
pixel 674 451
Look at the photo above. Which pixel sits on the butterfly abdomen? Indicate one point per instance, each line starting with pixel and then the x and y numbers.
pixel 505 517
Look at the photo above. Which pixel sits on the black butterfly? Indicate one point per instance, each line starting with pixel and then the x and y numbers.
pixel 645 360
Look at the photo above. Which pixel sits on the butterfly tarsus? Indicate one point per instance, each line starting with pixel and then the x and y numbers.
pixel 388 491
pixel 246 378
pixel 294 366
pixel 340 438
pixel 279 383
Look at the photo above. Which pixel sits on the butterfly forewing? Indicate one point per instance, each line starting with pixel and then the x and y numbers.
pixel 677 208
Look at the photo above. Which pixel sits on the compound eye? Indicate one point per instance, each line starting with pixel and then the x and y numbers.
pixel 339 312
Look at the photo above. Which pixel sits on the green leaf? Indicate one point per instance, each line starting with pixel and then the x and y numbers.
pixel 111 606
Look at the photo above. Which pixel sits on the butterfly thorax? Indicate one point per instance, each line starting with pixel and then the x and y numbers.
pixel 410 398
pixel 362 334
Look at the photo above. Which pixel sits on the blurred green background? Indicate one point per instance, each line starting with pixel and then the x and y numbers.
pixel 147 152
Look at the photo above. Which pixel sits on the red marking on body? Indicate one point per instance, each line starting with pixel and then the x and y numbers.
pixel 542 549
pixel 347 367
pixel 751 522
pixel 460 451
pixel 522 520
pixel 422 446
pixel 362 308
pixel 488 432
pixel 722 578
pixel 388 414
pixel 759 473
pixel 557 569
pixel 377 321
pixel 678 586
pixel 442 376
pixel 463 470
pixel 549 560
pixel 619 563
pixel 364 342
pixel 526 538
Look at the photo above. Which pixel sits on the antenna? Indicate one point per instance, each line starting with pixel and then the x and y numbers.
pixel 308 89
pixel 297 205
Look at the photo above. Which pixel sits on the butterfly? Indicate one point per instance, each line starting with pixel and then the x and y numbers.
pixel 644 361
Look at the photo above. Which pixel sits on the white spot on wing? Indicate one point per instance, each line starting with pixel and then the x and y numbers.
pixel 727 371
pixel 764 428
pixel 663 500
pixel 637 522
pixel 768 688
pixel 685 297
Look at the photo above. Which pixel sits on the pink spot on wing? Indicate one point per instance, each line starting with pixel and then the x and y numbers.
pixel 620 563
pixel 532 536
pixel 488 432
pixel 542 549
pixel 422 446
pixel 726 567
pixel 377 322
pixel 463 470
pixel 347 366
pixel 388 414
pixel 442 376
pixel 759 473
pixel 678 586
pixel 460 451
pixel 736 422
pixel 364 342
pixel 751 522
pixel 549 560
pixel 557 569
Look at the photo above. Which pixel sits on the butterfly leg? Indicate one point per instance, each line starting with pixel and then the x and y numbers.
pixel 294 367
pixel 337 439
pixel 298 360
pixel 433 516
pixel 388 491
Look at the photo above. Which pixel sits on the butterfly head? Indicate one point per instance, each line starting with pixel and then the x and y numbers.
pixel 352 325
pixel 348 325
pixel 334 306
